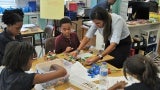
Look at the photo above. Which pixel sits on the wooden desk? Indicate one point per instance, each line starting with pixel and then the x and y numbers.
pixel 114 72
pixel 32 31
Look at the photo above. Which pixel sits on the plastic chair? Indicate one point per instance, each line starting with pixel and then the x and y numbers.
pixel 28 39
pixel 48 33
pixel 50 45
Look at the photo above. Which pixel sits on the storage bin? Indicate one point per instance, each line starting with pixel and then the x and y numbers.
pixel 32 4
pixel 73 6
pixel 151 48
pixel 72 15
pixel 45 68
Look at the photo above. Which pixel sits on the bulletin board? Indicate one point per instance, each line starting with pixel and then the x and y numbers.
pixel 51 9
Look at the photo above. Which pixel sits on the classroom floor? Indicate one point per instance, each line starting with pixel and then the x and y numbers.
pixel 40 51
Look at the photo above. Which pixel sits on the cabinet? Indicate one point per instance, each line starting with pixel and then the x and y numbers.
pixel 150 32
pixel 150 36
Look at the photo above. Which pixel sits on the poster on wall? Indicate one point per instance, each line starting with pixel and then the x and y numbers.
pixel 51 9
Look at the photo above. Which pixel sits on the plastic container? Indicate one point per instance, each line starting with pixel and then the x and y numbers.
pixel 0 10
pixel 103 77
pixel 72 15
pixel 73 6
pixel 45 68
pixel 32 4
pixel 27 9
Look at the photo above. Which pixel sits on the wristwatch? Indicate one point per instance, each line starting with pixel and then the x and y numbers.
pixel 100 56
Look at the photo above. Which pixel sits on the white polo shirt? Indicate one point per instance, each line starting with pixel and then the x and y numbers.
pixel 119 29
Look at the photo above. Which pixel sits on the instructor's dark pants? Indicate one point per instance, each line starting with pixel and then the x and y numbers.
pixel 120 53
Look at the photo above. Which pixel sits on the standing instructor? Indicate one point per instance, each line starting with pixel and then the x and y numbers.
pixel 116 37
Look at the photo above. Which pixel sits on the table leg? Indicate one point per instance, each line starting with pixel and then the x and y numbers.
pixel 41 39
pixel 33 40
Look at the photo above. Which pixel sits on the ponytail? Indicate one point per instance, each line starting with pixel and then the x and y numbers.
pixel 107 27
pixel 145 70
pixel 150 76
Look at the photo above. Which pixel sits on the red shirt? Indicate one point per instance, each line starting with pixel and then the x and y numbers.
pixel 61 42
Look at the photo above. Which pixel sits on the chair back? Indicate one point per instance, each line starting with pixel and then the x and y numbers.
pixel 50 45
pixel 28 39
pixel 48 31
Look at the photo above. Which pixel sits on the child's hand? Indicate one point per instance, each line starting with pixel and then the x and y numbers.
pixel 68 49
pixel 91 60
pixel 121 84
pixel 59 70
pixel 55 67
pixel 118 85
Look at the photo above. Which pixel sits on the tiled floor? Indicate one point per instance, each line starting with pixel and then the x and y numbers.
pixel 40 51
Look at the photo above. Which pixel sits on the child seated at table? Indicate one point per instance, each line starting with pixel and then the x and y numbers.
pixel 13 19
pixel 17 59
pixel 67 41
pixel 144 70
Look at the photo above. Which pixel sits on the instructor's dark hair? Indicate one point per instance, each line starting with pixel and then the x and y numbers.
pixel 102 14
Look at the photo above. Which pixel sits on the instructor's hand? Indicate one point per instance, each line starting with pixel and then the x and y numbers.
pixel 91 60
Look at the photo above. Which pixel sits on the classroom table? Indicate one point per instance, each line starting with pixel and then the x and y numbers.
pixel 114 71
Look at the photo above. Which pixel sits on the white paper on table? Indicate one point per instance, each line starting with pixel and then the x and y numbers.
pixel 23 29
pixel 114 80
pixel 28 25
pixel 79 70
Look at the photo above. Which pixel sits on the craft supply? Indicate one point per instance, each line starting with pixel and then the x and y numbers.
pixel 83 83
pixel 94 70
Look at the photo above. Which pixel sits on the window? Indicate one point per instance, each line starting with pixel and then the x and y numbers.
pixel 7 3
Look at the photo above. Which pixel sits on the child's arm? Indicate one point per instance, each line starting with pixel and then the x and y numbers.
pixel 68 49
pixel 118 85
pixel 59 72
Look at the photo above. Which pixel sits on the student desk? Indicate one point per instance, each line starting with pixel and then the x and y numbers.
pixel 114 72
pixel 32 32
